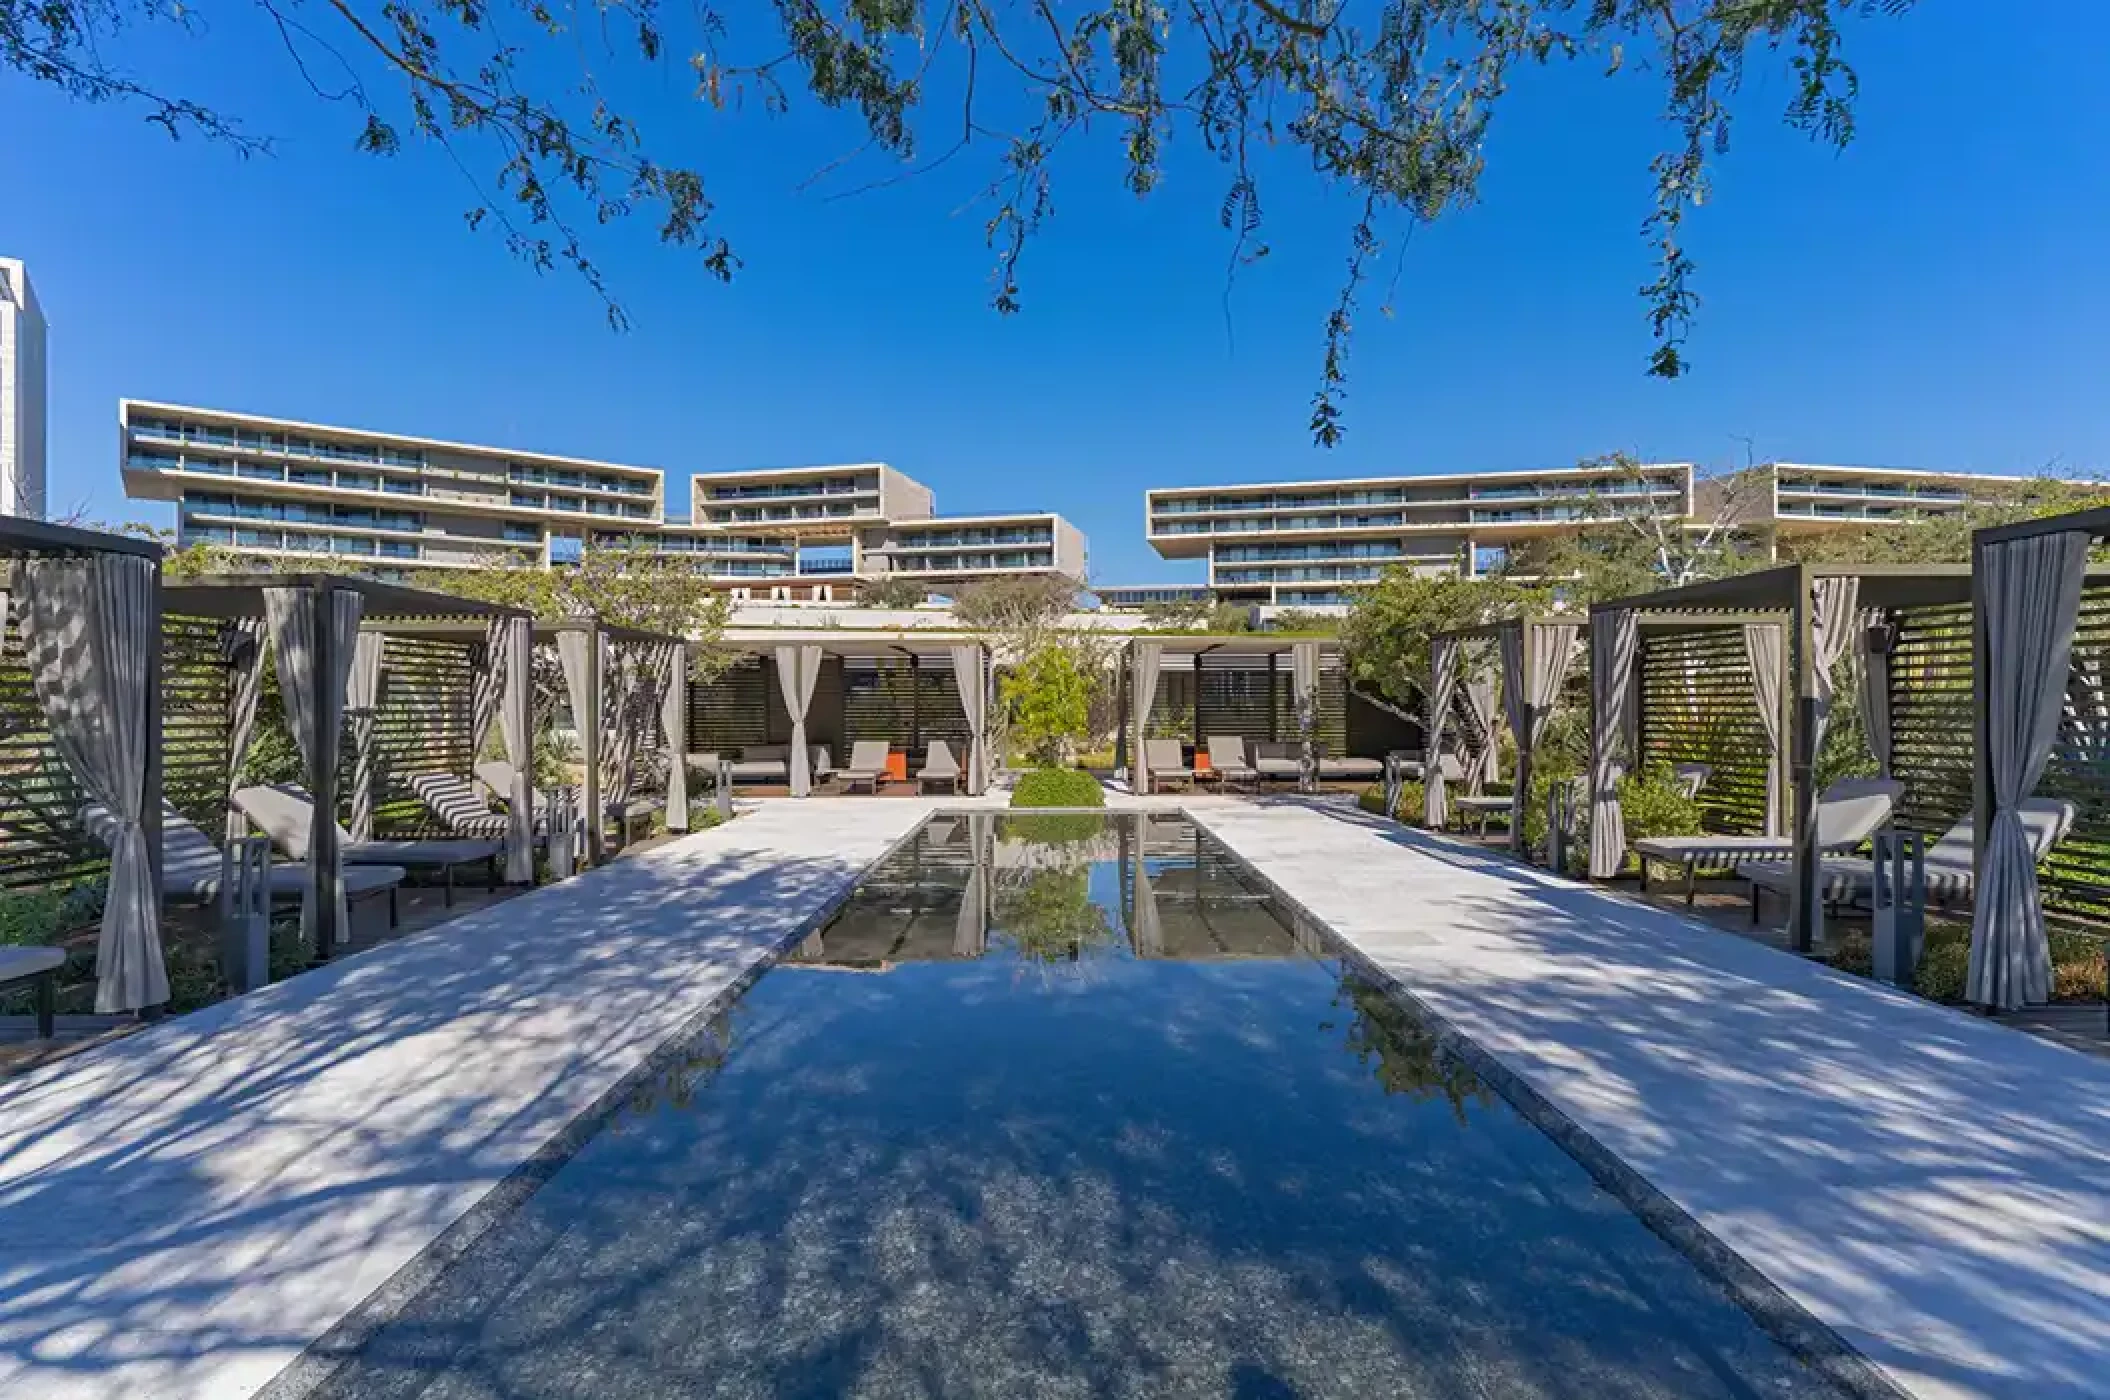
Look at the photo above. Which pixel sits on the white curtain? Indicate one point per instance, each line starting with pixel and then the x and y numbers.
pixel 1834 601
pixel 314 706
pixel 516 723
pixel 246 655
pixel 1874 688
pixel 1304 677
pixel 1763 649
pixel 362 698
pixel 1146 928
pixel 1443 680
pixel 575 657
pixel 1146 658
pixel 972 681
pixel 626 702
pixel 1552 652
pixel 1614 641
pixel 798 668
pixel 489 691
pixel 1484 751
pixel 88 625
pixel 1511 640
pixel 674 729
pixel 2031 592
pixel 970 929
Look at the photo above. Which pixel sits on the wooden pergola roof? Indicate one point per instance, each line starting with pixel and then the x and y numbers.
pixel 242 595
pixel 21 538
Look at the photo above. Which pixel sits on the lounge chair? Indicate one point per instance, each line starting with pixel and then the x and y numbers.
pixel 1227 760
pixel 1848 813
pixel 1478 808
pixel 1278 761
pixel 867 765
pixel 459 806
pixel 1845 880
pixel 497 775
pixel 1166 762
pixel 284 812
pixel 939 767
pixel 1692 778
pixel 192 867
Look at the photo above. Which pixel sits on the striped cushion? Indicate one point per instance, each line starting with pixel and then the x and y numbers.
pixel 1714 852
pixel 1848 880
pixel 456 803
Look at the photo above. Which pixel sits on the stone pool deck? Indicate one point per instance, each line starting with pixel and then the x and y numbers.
pixel 184 1210
pixel 1933 1187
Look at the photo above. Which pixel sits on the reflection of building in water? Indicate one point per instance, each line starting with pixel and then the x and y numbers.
pixel 1164 889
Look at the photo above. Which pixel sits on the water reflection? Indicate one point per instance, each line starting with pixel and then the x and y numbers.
pixel 1056 889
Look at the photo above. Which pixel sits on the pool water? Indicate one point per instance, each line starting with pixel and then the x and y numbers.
pixel 1063 1106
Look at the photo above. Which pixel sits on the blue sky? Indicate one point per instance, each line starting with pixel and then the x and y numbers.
pixel 1936 296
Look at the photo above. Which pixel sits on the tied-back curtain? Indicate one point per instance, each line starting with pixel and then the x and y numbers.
pixel 674 731
pixel 314 704
pixel 515 724
pixel 1763 650
pixel 1443 680
pixel 619 688
pixel 798 668
pixel 1483 753
pixel 1304 676
pixel 1614 641
pixel 2031 591
pixel 970 930
pixel 1511 640
pixel 575 658
pixel 87 626
pixel 972 681
pixel 246 655
pixel 362 699
pixel 1874 691
pixel 1834 601
pixel 1552 657
pixel 1146 929
pixel 1148 657
pixel 490 687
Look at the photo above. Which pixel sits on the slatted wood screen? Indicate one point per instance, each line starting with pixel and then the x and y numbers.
pixel 1697 707
pixel 1931 718
pixel 735 709
pixel 1245 696
pixel 424 724
pixel 2076 880
pixel 194 699
pixel 41 839
pixel 904 701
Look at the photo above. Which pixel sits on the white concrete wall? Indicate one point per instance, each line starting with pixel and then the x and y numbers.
pixel 22 394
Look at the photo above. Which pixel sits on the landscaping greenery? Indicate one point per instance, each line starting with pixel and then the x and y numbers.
pixel 1050 915
pixel 1047 702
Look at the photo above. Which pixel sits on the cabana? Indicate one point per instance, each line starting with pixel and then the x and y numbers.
pixel 1746 664
pixel 414 676
pixel 1536 657
pixel 2040 726
pixel 801 691
pixel 83 660
pixel 619 687
pixel 1258 688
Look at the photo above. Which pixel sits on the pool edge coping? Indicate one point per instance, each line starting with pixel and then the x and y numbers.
pixel 1798 1330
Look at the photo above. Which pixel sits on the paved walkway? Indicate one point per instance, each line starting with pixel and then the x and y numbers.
pixel 185 1209
pixel 1934 1187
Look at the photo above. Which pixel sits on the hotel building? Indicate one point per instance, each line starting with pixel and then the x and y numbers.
pixel 22 403
pixel 1311 543
pixel 281 489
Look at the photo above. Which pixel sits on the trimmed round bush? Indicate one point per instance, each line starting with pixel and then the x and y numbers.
pixel 1057 787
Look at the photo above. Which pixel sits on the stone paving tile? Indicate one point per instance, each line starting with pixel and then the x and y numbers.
pixel 1934 1187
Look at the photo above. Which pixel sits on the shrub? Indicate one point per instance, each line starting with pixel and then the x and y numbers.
pixel 1057 787
pixel 1654 805
pixel 1048 697
pixel 1945 963
pixel 1411 801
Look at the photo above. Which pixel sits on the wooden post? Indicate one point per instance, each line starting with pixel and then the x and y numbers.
pixel 325 860
pixel 1806 911
pixel 1124 701
pixel 590 744
pixel 150 788
pixel 520 707
pixel 1520 802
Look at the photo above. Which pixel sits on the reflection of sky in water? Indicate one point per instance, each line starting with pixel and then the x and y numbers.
pixel 901 1168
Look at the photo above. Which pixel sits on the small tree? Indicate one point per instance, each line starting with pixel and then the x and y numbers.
pixel 1048 698
pixel 1386 634
pixel 1022 612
